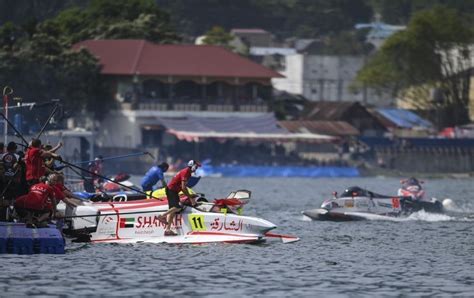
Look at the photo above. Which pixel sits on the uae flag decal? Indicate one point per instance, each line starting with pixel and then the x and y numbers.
pixel 127 222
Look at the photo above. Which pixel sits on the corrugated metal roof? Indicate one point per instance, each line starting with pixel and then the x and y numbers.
pixel 326 110
pixel 403 118
pixel 265 123
pixel 333 128
pixel 193 128
pixel 130 57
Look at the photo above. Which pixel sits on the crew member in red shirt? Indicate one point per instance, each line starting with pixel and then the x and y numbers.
pixel 177 184
pixel 61 193
pixel 34 159
pixel 36 206
pixel 39 205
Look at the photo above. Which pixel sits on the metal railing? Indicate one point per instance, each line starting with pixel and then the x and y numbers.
pixel 201 105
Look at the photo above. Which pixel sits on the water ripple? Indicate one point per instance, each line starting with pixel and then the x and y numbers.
pixel 424 255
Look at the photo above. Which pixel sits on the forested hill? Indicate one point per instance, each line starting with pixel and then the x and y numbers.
pixel 284 18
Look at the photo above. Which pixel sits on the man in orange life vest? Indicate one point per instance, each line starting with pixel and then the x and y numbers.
pixel 177 184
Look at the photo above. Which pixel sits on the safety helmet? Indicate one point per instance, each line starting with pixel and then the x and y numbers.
pixel 194 164
pixel 412 181
pixel 353 191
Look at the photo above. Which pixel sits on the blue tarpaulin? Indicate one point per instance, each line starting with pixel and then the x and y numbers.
pixel 279 171
pixel 404 118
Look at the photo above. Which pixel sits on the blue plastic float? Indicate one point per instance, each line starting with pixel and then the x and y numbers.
pixel 16 238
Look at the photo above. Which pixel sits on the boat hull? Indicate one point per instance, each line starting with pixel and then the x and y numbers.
pixel 362 208
pixel 325 215
pixel 139 221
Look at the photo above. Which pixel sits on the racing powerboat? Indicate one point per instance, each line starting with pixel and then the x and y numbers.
pixel 121 189
pixel 139 221
pixel 356 203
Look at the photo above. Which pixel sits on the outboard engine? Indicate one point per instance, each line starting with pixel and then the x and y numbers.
pixel 88 223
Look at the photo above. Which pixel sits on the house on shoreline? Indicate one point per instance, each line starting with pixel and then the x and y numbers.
pixel 167 96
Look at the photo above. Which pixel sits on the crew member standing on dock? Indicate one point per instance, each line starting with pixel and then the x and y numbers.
pixel 11 172
pixel 49 162
pixel 34 158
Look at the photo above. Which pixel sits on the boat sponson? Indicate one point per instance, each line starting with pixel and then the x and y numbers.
pixel 324 214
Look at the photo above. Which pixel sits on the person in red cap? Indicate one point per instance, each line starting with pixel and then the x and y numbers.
pixel 177 184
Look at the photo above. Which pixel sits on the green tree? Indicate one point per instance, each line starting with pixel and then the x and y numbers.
pixel 218 36
pixel 9 34
pixel 37 60
pixel 284 18
pixel 432 53
pixel 115 19
pixel 400 11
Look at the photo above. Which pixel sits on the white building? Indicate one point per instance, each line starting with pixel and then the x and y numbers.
pixel 326 78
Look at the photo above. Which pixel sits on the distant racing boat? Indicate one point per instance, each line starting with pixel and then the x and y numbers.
pixel 356 203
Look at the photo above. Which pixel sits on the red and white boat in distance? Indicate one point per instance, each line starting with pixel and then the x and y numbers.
pixel 138 221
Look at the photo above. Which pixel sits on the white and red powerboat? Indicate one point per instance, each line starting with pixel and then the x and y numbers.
pixel 356 203
pixel 138 221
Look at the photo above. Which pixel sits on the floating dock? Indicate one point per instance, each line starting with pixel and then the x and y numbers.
pixel 16 238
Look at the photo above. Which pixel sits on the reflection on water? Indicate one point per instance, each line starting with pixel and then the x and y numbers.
pixel 423 255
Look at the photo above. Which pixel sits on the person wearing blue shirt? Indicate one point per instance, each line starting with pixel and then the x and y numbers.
pixel 154 174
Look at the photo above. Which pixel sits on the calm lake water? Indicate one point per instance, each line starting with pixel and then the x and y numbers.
pixel 423 255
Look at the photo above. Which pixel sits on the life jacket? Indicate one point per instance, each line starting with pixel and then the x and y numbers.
pixel 9 161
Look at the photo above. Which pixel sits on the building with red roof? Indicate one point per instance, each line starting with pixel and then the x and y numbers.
pixel 152 76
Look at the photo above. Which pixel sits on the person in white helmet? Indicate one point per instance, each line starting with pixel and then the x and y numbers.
pixel 177 184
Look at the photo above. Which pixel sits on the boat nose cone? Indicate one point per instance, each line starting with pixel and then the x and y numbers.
pixel 315 213
pixel 267 226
